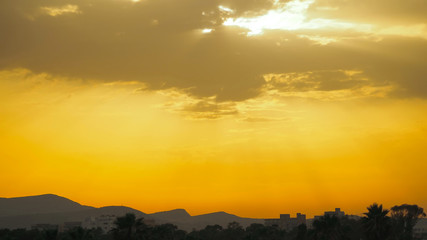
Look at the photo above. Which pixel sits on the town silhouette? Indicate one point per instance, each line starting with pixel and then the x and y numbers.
pixel 47 217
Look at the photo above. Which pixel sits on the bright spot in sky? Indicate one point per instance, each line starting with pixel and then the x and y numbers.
pixel 288 16
pixel 207 30
pixel 225 9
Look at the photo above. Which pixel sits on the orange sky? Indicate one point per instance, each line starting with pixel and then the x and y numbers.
pixel 255 108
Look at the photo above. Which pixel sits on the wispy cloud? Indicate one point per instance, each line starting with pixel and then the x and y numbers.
pixel 57 11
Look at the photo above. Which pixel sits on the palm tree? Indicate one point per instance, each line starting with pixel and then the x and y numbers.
pixel 376 223
pixel 127 226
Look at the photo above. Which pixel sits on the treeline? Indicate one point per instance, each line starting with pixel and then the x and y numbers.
pixel 377 224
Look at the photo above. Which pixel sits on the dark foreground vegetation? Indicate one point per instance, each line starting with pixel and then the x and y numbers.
pixel 377 224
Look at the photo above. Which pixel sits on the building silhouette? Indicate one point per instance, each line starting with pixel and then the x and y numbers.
pixel 337 213
pixel 286 222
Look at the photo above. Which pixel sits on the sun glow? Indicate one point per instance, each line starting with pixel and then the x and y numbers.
pixel 289 16
pixel 207 30
pixel 225 9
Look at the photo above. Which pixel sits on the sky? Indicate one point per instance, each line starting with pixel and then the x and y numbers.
pixel 253 107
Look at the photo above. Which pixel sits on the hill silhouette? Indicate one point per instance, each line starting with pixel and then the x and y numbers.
pixel 41 204
pixel 185 221
pixel 23 212
pixel 176 214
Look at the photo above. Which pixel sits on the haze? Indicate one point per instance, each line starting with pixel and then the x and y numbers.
pixel 253 107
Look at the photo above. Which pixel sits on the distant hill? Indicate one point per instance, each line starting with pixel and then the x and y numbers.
pixel 26 221
pixel 223 219
pixel 177 214
pixel 185 221
pixel 41 204
pixel 23 212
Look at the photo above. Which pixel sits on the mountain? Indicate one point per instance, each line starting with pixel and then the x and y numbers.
pixel 185 221
pixel 223 219
pixel 23 212
pixel 27 220
pixel 41 204
pixel 177 214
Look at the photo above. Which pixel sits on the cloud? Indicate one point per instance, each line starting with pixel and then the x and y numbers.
pixel 263 119
pixel 381 11
pixel 56 11
pixel 325 85
pixel 161 44
pixel 207 108
pixel 317 81
pixel 293 15
pixel 290 15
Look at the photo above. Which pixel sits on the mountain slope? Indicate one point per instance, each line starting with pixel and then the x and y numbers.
pixel 27 220
pixel 40 204
pixel 183 220
pixel 177 214
pixel 223 219
pixel 23 212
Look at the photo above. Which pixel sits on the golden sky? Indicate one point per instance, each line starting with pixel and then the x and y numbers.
pixel 253 107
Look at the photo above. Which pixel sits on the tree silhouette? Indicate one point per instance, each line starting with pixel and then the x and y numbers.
pixel 211 232
pixel 405 217
pixel 301 232
pixel 21 234
pixel 234 231
pixel 79 233
pixel 49 234
pixel 327 228
pixel 127 227
pixel 256 231
pixel 376 223
pixel 167 232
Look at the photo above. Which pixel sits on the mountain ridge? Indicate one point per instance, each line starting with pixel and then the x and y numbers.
pixel 23 212
pixel 45 203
